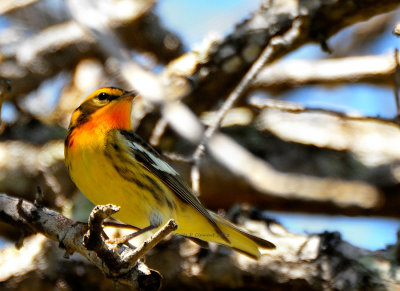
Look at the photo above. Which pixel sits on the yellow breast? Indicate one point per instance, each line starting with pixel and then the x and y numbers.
pixel 105 174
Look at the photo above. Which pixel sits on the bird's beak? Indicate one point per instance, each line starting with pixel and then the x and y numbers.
pixel 128 95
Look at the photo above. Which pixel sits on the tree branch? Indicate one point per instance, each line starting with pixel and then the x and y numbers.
pixel 70 235
pixel 318 261
pixel 373 141
pixel 10 5
pixel 293 73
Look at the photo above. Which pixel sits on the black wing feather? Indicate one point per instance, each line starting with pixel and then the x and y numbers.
pixel 174 181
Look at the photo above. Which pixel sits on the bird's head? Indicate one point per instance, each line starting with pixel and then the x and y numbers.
pixel 109 107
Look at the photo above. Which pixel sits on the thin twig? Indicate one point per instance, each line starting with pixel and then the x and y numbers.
pixel 293 107
pixel 150 243
pixel 283 105
pixel 158 131
pixel 195 177
pixel 266 55
pixel 178 157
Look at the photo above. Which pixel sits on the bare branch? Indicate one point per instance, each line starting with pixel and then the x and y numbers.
pixel 264 178
pixel 71 236
pixel 283 105
pixel 153 241
pixel 54 38
pixel 329 71
pixel 158 131
pixel 373 141
pixel 9 5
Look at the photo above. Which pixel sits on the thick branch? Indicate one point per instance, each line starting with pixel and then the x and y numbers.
pixel 31 219
pixel 374 141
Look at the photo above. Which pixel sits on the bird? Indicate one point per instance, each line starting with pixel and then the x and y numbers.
pixel 110 163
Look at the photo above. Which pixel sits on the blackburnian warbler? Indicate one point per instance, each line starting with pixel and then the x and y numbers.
pixel 111 164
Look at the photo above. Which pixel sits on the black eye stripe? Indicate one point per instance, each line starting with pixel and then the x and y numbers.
pixel 103 96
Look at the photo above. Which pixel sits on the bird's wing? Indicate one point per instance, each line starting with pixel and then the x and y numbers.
pixel 155 164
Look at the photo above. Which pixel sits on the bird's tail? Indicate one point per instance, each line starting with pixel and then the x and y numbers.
pixel 240 240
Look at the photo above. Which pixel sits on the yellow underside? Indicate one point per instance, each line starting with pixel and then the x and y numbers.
pixel 97 178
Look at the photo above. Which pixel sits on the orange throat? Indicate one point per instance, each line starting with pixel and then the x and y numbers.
pixel 115 116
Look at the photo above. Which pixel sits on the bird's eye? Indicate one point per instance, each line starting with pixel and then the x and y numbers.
pixel 103 96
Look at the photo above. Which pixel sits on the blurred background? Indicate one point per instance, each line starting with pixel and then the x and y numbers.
pixel 359 97
pixel 322 117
